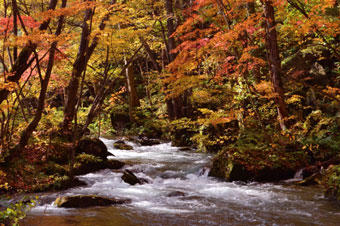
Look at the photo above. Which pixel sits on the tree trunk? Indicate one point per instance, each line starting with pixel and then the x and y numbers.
pixel 175 106
pixel 151 54
pixel 71 92
pixel 83 56
pixel 274 62
pixel 133 98
pixel 27 133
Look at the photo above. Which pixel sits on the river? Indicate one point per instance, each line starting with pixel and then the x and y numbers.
pixel 180 192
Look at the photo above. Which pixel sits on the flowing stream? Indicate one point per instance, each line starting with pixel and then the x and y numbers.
pixel 179 192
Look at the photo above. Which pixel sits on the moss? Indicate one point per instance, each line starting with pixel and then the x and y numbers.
pixel 57 183
pixel 332 183
pixel 257 161
pixel 86 158
pixel 55 168
pixel 122 146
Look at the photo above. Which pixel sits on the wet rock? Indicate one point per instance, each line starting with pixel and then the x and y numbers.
pixel 122 145
pixel 93 146
pixel 88 163
pixel 310 170
pixel 148 142
pixel 230 169
pixel 176 194
pixel 144 181
pixel 129 178
pixel 114 164
pixel 84 201
pixel 185 149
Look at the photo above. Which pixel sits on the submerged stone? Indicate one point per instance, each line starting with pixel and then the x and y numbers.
pixel 84 201
pixel 176 194
pixel 148 142
pixel 129 178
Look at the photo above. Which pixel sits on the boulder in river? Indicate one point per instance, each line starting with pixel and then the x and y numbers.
pixel 176 194
pixel 130 178
pixel 114 164
pixel 84 201
pixel 93 146
pixel 148 142
pixel 88 163
pixel 122 145
pixel 233 165
pixel 185 149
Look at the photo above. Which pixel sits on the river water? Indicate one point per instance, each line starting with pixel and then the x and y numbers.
pixel 179 192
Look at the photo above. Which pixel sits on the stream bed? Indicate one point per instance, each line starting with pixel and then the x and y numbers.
pixel 180 192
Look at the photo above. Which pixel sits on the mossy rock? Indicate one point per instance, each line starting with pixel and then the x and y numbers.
pixel 85 201
pixel 235 165
pixel 88 163
pixel 58 183
pixel 121 145
pixel 224 168
pixel 93 146
pixel 144 141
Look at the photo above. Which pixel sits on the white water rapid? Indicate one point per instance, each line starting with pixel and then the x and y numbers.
pixel 180 192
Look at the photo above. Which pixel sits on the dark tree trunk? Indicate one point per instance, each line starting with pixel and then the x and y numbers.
pixel 175 106
pixel 84 53
pixel 274 62
pixel 151 54
pixel 71 92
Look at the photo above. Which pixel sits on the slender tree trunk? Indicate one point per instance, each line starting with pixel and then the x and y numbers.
pixel 151 54
pixel 22 62
pixel 133 98
pixel 274 62
pixel 15 27
pixel 170 45
pixel 102 93
pixel 27 133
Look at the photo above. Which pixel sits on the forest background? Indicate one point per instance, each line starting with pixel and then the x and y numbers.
pixel 256 82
